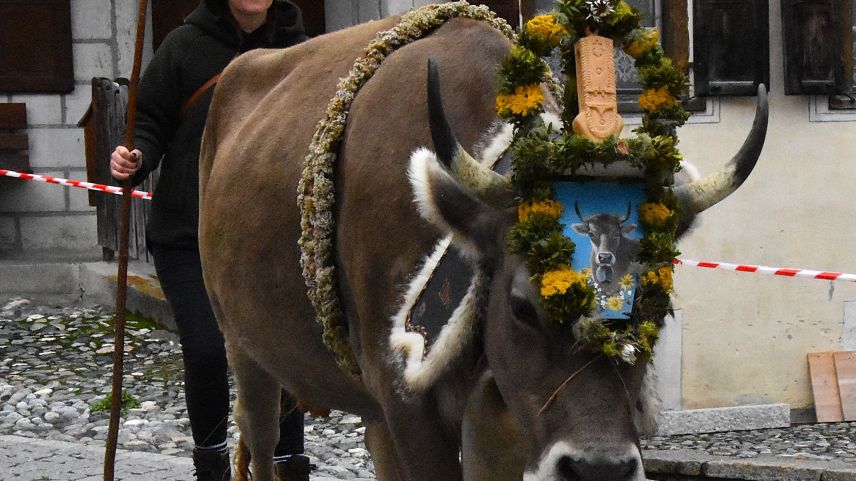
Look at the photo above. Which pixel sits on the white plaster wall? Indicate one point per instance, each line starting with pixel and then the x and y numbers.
pixel 746 336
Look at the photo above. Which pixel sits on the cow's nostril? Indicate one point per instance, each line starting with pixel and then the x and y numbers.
pixel 571 469
pixel 566 471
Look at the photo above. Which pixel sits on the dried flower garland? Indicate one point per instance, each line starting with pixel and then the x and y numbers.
pixel 542 155
pixel 316 187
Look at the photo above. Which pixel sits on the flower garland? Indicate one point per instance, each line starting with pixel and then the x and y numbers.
pixel 541 155
pixel 316 190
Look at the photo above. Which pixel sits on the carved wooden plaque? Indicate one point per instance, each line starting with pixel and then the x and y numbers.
pixel 598 117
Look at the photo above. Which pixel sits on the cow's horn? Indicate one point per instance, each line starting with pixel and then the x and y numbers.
pixel 487 184
pixel 703 193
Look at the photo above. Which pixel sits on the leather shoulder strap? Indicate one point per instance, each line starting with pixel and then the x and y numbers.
pixel 198 93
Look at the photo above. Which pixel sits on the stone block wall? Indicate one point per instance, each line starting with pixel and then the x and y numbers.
pixel 42 220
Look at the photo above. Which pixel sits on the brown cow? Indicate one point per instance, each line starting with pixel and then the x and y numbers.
pixel 485 404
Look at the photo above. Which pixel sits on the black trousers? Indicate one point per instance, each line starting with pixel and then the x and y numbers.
pixel 203 349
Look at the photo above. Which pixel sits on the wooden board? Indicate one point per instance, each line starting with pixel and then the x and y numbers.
pixel 824 385
pixel 845 369
pixel 13 116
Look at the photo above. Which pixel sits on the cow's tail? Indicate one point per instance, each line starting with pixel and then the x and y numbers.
pixel 242 462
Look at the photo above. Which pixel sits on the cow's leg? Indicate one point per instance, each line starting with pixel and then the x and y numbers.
pixel 427 451
pixel 256 413
pixel 379 444
pixel 492 448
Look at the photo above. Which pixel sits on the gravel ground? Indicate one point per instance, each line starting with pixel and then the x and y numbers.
pixel 55 366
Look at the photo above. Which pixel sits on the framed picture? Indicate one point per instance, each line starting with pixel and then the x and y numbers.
pixel 602 219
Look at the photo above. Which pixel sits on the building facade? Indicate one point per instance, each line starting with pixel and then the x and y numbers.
pixel 737 338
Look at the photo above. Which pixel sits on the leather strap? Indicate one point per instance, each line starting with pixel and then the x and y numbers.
pixel 201 90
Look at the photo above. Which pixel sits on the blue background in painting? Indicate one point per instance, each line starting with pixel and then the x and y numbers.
pixel 598 197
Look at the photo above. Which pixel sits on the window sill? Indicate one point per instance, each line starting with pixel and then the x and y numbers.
pixel 825 108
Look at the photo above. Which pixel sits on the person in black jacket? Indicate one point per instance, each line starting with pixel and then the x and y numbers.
pixel 174 95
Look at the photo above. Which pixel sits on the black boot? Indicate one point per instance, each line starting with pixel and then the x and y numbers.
pixel 295 468
pixel 211 465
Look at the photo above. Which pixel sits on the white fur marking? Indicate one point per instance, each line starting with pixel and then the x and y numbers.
pixel 424 166
pixel 547 466
pixel 422 369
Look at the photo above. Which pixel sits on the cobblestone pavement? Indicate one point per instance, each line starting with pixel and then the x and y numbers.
pixel 55 365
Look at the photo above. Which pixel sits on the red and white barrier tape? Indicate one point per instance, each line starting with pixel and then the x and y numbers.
pixel 75 183
pixel 773 271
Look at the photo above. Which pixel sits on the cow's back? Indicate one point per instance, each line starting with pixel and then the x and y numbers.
pixel 261 122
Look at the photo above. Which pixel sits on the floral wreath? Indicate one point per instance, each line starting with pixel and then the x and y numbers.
pixel 540 156
pixel 316 188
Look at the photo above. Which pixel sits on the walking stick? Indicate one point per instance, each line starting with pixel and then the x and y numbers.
pixel 122 281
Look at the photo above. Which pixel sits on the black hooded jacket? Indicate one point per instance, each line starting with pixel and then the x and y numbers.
pixel 189 56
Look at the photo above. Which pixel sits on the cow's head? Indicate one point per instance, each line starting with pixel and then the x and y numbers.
pixel 606 232
pixel 575 408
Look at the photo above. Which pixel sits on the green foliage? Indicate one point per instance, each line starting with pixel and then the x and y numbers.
pixel 567 307
pixel 550 252
pixel 521 67
pixel 541 155
pixel 103 404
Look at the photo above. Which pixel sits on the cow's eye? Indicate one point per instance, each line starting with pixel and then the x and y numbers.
pixel 593 236
pixel 523 309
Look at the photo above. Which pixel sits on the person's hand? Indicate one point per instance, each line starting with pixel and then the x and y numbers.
pixel 123 163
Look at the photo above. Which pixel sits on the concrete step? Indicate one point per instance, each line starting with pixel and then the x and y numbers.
pixel 86 283
pixel 687 465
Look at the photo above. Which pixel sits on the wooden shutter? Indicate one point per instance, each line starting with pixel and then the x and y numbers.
pixel 818 50
pixel 731 46
pixel 510 10
pixel 35 46
pixel 313 16
pixel 675 35
pixel 167 15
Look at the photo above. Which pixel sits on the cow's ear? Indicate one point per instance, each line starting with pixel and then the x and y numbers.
pixel 444 202
pixel 627 229
pixel 580 229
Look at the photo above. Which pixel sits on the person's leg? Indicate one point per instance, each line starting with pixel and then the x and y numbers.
pixel 203 350
pixel 291 465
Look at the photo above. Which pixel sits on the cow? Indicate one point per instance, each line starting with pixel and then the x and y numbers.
pixel 612 252
pixel 494 411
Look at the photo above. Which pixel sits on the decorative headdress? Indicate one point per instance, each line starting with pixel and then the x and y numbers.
pixel 583 32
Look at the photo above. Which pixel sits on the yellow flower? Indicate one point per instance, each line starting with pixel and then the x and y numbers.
pixel 654 213
pixel 622 147
pixel 523 101
pixel 560 280
pixel 614 303
pixel 662 277
pixel 650 278
pixel 626 281
pixel 653 99
pixel 546 29
pixel 549 208
pixel 665 274
pixel 641 41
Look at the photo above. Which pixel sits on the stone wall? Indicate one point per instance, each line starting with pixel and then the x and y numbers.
pixel 47 221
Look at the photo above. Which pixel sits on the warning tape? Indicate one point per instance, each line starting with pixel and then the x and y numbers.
pixel 110 189
pixel 773 271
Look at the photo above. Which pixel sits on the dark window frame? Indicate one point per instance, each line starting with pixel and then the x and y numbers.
pixel 36 36
pixel 817 41
pixel 720 69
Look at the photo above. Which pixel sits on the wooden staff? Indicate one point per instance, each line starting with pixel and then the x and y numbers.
pixel 122 281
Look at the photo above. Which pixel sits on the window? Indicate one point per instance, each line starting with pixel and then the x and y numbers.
pixel 847 101
pixel 818 43
pixel 35 46
pixel 731 46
